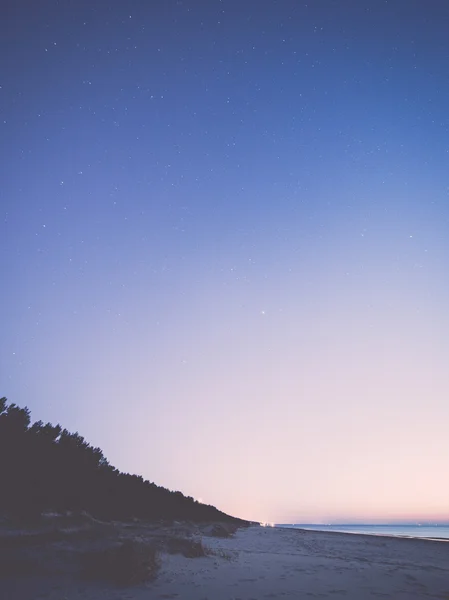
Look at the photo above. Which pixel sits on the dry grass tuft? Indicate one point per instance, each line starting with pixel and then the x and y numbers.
pixel 221 530
pixel 228 555
pixel 189 548
pixel 130 563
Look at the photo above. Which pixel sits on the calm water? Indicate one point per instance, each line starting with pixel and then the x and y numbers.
pixel 421 531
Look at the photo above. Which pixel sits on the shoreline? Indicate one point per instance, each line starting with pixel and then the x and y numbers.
pixel 362 533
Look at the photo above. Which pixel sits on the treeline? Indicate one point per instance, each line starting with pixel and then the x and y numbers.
pixel 44 467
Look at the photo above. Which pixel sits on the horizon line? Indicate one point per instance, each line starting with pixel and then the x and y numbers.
pixel 377 524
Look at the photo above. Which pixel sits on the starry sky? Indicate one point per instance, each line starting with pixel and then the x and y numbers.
pixel 225 245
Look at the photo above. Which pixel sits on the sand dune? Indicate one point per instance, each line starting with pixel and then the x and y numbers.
pixel 254 563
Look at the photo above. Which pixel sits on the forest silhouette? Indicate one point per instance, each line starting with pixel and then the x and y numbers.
pixel 44 467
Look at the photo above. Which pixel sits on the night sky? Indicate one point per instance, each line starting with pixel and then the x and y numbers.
pixel 225 245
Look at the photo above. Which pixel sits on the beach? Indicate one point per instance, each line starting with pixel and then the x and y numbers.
pixel 254 562
pixel 276 563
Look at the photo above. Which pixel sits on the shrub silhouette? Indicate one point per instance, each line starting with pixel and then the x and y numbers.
pixel 130 563
pixel 45 467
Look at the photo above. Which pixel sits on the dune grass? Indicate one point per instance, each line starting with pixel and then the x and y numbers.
pixel 130 563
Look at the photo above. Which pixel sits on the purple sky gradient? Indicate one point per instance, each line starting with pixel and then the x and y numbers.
pixel 225 246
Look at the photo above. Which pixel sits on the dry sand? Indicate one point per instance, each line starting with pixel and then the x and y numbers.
pixel 255 563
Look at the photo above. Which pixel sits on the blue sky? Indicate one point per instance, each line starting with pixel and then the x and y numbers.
pixel 225 245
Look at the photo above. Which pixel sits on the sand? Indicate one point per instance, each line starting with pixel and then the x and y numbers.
pixel 255 563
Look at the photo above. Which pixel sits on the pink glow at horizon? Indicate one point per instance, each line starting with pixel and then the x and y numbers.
pixel 225 258
pixel 331 405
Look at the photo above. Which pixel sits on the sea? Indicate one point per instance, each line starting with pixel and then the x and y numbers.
pixel 438 532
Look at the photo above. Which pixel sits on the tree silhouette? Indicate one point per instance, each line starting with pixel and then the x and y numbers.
pixel 45 467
